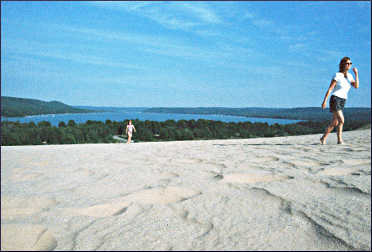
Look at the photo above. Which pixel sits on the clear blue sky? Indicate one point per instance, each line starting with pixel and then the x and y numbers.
pixel 190 54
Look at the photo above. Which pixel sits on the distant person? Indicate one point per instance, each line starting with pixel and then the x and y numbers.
pixel 129 131
pixel 340 84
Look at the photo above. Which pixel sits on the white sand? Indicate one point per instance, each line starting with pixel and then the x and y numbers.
pixel 284 193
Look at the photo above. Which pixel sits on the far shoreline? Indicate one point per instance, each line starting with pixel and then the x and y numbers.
pixel 127 116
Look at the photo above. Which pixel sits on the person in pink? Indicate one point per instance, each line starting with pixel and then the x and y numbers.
pixel 340 85
pixel 129 131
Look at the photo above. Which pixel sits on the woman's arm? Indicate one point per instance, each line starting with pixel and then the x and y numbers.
pixel 356 82
pixel 331 87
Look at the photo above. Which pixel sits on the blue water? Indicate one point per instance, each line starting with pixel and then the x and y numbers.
pixel 120 116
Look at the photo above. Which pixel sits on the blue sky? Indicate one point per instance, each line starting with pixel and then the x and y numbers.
pixel 183 54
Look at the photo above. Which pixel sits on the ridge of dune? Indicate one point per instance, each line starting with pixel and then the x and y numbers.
pixel 281 193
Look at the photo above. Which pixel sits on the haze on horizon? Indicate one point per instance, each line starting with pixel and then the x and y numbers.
pixel 183 54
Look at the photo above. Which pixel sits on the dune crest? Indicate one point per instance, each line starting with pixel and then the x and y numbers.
pixel 281 193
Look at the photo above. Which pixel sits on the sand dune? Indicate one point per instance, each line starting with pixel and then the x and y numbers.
pixel 284 193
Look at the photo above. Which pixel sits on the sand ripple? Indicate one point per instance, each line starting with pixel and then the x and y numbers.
pixel 26 238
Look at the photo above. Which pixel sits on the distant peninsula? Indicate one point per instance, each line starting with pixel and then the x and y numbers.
pixel 305 113
pixel 19 107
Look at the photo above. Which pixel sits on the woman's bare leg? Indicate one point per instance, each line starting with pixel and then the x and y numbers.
pixel 341 121
pixel 129 138
pixel 331 126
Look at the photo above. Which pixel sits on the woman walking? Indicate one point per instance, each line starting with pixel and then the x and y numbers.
pixel 129 131
pixel 341 84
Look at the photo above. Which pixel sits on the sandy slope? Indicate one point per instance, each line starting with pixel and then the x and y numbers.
pixel 284 193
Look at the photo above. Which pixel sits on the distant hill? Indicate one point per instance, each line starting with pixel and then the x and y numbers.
pixel 307 113
pixel 18 107
pixel 113 109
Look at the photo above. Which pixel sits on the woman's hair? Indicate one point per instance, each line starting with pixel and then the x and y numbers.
pixel 342 65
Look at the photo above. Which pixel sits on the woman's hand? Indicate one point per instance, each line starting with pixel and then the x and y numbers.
pixel 355 70
pixel 323 105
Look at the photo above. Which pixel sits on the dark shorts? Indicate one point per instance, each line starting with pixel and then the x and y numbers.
pixel 336 103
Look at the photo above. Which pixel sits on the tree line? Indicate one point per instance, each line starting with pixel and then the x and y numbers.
pixel 16 133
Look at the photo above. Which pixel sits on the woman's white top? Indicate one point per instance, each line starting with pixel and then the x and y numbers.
pixel 343 84
pixel 130 128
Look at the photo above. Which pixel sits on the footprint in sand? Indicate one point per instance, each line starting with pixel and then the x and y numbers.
pixel 338 171
pixel 165 195
pixel 102 210
pixel 14 207
pixel 304 163
pixel 216 175
pixel 265 159
pixel 21 177
pixel 251 178
pixel 168 175
pixel 189 161
pixel 358 162
pixel 17 237
pixel 353 166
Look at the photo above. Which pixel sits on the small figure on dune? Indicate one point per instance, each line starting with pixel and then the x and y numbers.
pixel 129 131
pixel 340 85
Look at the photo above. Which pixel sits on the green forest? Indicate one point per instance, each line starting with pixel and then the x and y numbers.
pixel 15 133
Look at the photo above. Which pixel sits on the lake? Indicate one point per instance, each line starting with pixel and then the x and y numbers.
pixel 120 116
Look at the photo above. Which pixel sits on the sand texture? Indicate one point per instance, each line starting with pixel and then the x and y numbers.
pixel 283 193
